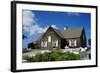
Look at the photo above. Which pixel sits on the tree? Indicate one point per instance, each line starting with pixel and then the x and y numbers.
pixel 31 45
pixel 24 37
pixel 83 39
pixel 89 41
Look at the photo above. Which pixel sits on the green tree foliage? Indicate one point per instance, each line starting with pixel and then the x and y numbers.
pixel 89 41
pixel 31 45
pixel 83 39
pixel 24 37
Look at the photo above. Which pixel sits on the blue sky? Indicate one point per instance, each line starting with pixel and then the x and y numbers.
pixel 36 23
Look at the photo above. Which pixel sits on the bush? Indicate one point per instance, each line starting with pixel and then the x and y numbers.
pixel 72 56
pixel 42 57
pixel 55 55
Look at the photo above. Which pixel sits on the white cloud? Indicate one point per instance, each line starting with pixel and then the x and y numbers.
pixel 73 13
pixel 54 26
pixel 30 24
pixel 36 29
pixel 28 18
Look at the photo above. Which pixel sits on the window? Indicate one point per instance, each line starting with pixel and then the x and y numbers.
pixel 55 43
pixel 45 44
pixel 73 43
pixel 69 42
pixel 41 43
pixel 49 38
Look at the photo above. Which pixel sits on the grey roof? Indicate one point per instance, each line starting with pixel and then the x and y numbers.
pixel 72 33
pixel 56 30
pixel 59 32
pixel 69 33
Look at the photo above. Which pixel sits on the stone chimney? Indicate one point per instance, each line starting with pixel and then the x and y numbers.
pixel 66 28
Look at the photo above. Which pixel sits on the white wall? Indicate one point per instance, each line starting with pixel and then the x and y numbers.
pixel 5 37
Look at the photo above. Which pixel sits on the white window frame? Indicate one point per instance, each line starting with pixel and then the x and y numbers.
pixel 69 42
pixel 49 38
pixel 45 44
pixel 41 43
pixel 56 43
pixel 73 43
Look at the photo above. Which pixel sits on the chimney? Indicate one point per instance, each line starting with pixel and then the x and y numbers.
pixel 66 28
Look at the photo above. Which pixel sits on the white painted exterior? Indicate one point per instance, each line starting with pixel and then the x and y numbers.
pixel 73 43
pixel 45 44
pixel 49 38
pixel 56 43
pixel 41 43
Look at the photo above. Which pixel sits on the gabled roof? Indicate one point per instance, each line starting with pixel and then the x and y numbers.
pixel 72 33
pixel 59 32
pixel 69 33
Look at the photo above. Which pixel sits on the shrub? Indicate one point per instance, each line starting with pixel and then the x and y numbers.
pixel 42 57
pixel 55 55
pixel 28 58
pixel 72 56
